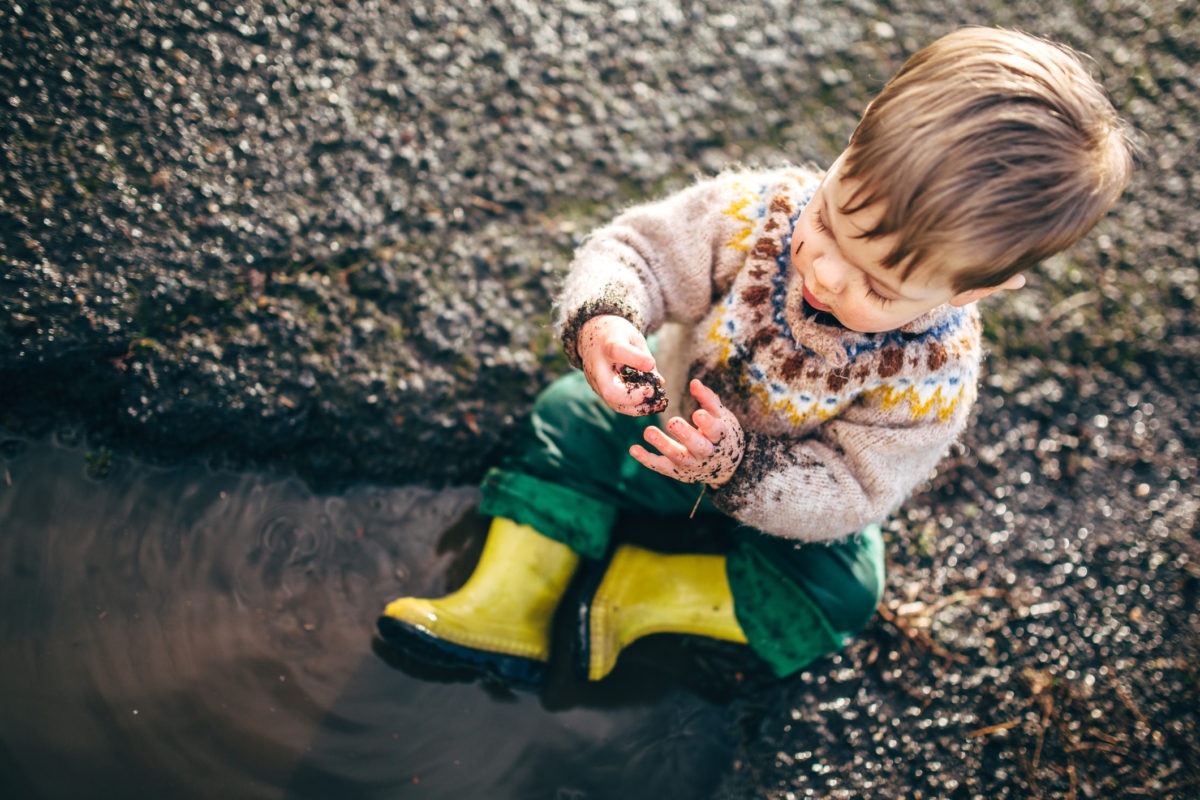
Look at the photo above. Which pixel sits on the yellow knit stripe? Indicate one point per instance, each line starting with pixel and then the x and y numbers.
pixel 736 210
pixel 940 401
pixel 724 344
pixel 788 407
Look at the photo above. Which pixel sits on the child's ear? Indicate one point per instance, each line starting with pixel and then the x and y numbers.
pixel 971 295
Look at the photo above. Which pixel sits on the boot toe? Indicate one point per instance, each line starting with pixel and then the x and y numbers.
pixel 443 619
pixel 415 611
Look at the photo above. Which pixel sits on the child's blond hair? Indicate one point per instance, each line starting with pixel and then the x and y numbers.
pixel 989 150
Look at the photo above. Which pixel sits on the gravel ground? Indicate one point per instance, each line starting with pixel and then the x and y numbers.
pixel 323 238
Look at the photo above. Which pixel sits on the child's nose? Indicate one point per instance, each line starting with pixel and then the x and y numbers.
pixel 830 274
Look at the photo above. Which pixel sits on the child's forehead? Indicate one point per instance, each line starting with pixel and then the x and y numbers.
pixel 839 199
pixel 844 191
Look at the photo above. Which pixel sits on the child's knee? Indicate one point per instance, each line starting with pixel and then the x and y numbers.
pixel 858 602
pixel 862 588
pixel 845 579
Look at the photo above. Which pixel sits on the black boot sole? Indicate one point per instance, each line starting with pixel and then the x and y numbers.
pixel 515 671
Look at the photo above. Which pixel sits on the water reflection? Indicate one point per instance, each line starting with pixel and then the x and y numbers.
pixel 186 633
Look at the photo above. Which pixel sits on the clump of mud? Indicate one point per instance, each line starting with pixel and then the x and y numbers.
pixel 635 379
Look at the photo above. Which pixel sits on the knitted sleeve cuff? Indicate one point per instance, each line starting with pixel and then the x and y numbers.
pixel 740 490
pixel 576 318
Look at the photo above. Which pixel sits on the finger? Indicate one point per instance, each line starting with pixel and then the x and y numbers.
pixel 671 449
pixel 706 397
pixel 696 443
pixel 660 464
pixel 637 357
pixel 606 384
pixel 713 428
pixel 605 379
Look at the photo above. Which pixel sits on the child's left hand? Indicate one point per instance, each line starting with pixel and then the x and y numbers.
pixel 706 451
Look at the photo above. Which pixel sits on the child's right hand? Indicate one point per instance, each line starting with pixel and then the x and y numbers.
pixel 609 344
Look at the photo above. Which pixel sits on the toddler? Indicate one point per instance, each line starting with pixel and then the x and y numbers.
pixel 817 337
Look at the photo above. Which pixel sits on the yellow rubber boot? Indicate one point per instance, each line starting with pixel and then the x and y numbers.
pixel 644 592
pixel 500 620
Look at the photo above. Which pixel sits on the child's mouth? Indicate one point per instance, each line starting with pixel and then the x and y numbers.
pixel 814 302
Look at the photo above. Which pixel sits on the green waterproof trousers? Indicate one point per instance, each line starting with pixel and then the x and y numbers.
pixel 571 475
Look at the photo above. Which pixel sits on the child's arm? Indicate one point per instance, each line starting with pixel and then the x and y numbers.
pixel 666 260
pixel 855 470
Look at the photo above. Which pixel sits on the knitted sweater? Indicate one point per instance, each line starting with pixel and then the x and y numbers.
pixel 840 426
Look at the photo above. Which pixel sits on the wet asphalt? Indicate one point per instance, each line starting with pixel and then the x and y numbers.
pixel 324 238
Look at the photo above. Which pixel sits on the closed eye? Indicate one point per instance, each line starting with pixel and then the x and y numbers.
pixel 880 300
pixel 819 221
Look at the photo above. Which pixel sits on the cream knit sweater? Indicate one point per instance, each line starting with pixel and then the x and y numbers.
pixel 840 426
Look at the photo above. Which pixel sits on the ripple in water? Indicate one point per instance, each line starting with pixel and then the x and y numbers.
pixel 186 633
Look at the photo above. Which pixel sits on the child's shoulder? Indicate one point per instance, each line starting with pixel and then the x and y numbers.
pixel 747 193
pixel 767 180
pixel 737 192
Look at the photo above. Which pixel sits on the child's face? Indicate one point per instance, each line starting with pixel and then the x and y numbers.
pixel 844 275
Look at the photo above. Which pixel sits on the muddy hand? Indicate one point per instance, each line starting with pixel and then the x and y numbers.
pixel 619 367
pixel 707 450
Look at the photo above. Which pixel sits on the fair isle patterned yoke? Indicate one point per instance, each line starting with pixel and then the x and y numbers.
pixel 840 426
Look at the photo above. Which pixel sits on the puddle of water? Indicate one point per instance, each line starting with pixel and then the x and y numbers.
pixel 186 633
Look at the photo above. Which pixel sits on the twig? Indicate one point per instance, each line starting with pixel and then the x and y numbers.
pixel 1047 707
pixel 990 729
pixel 1127 698
pixel 487 205
pixel 966 594
pixel 927 612
pixel 920 637
pixel 698 499
pixel 1102 746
